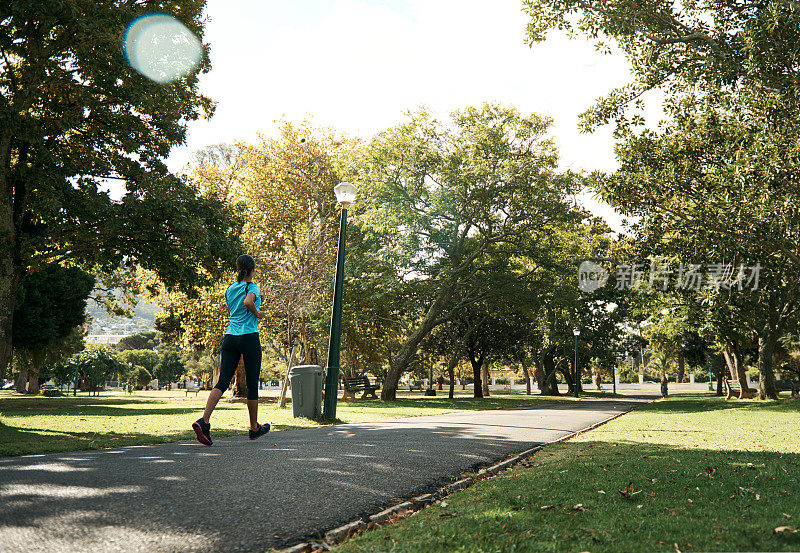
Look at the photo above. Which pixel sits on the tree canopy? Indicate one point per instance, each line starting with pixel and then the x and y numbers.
pixel 77 117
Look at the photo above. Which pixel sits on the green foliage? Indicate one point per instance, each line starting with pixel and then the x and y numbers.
pixel 143 357
pixel 63 373
pixel 95 365
pixel 139 341
pixel 52 393
pixel 436 199
pixel 140 376
pixel 50 304
pixel 76 116
pixel 170 368
pixel 99 121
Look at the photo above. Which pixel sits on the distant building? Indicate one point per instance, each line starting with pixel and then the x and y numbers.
pixel 108 339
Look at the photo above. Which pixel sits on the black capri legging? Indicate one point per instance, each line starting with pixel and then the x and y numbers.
pixel 232 347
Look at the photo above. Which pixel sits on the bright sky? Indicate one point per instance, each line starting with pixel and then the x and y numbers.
pixel 358 65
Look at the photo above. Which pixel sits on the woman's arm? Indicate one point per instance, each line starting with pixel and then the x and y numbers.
pixel 250 304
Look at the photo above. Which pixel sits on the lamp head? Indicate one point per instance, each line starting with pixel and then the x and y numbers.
pixel 345 193
pixel 576 332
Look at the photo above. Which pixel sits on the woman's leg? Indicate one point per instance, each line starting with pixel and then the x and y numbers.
pixel 213 399
pixel 251 349
pixel 228 362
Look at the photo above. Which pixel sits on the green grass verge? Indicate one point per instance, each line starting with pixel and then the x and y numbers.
pixel 706 474
pixel 36 424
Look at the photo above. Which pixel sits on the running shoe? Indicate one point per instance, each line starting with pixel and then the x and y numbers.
pixel 203 431
pixel 262 429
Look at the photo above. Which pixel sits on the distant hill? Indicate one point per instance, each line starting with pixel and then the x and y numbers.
pixel 102 323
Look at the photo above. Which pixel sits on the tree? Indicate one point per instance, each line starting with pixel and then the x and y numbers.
pixel 170 368
pixel 287 184
pixel 94 366
pixel 196 324
pixel 146 358
pixel 141 340
pixel 139 376
pixel 680 46
pixel 51 305
pixel 63 373
pixel 721 177
pixel 439 197
pixel 76 116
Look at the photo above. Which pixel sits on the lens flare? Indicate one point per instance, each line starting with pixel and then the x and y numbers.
pixel 161 48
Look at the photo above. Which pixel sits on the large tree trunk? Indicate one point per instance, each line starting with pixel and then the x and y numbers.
pixel 13 204
pixel 33 380
pixel 477 386
pixel 539 375
pixel 399 364
pixel 10 277
pixel 21 383
pixel 766 347
pixel 681 366
pixel 216 362
pixel 451 372
pixel 719 372
pixel 485 378
pixel 568 373
pixel 240 390
pixel 548 383
pixel 527 379
pixel 733 359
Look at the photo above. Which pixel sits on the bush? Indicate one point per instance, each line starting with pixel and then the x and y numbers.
pixel 501 381
pixel 52 393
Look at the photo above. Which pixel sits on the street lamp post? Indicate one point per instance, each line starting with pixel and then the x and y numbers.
pixel 577 333
pixel 345 194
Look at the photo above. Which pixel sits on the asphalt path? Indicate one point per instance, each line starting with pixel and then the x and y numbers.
pixel 242 495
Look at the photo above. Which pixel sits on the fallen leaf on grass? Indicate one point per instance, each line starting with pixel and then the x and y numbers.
pixel 448 515
pixel 677 549
pixel 547 507
pixel 787 515
pixel 784 530
pixel 628 492
pixel 601 491
pixel 578 507
pixel 444 503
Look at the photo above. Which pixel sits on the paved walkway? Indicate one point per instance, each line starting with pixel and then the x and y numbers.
pixel 240 495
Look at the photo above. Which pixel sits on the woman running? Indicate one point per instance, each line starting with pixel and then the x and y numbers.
pixel 241 339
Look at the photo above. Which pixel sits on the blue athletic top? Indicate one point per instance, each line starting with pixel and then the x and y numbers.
pixel 242 321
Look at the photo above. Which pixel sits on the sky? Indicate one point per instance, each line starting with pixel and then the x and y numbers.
pixel 359 65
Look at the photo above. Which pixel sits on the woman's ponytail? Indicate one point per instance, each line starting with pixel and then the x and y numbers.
pixel 245 265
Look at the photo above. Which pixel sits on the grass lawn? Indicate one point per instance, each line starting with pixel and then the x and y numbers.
pixel 705 474
pixel 49 424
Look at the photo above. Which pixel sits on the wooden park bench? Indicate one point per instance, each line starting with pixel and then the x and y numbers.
pixel 788 386
pixel 735 388
pixel 359 384
pixel 194 389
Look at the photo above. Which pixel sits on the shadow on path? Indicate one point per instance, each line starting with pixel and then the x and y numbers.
pixel 240 495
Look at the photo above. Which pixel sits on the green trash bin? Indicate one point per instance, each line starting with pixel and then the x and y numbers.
pixel 306 381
